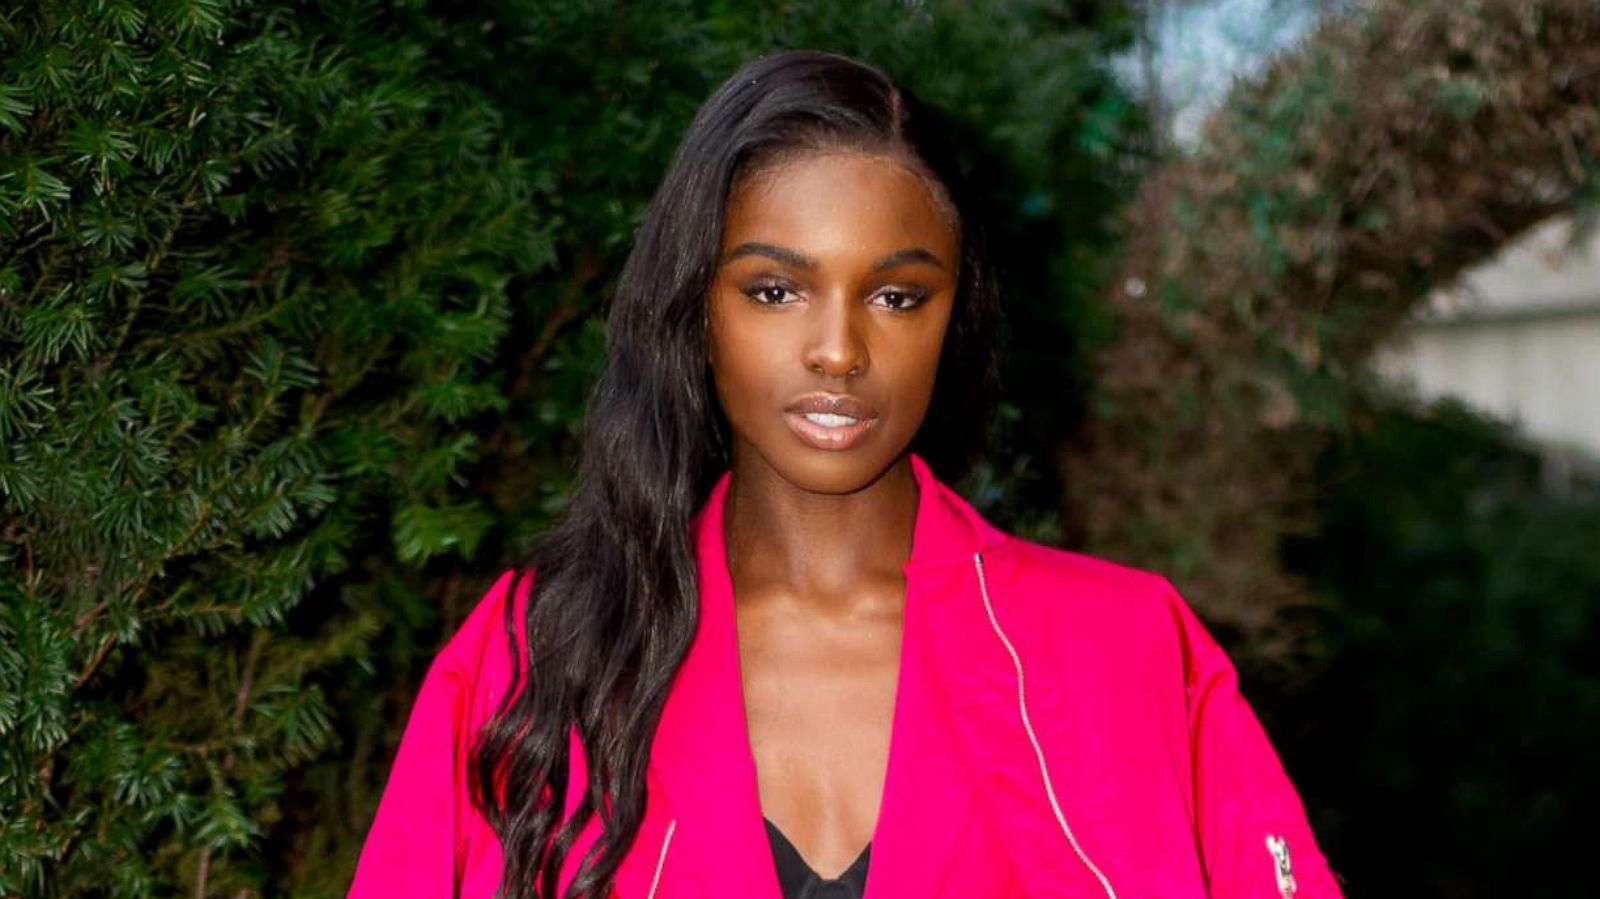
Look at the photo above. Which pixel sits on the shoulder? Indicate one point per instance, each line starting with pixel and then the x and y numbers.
pixel 426 823
pixel 1050 579
pixel 1064 592
pixel 476 660
pixel 1096 575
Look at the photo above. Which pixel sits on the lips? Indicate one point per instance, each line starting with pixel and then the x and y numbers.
pixel 833 404
pixel 830 421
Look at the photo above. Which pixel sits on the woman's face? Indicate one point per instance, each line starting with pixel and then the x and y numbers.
pixel 827 313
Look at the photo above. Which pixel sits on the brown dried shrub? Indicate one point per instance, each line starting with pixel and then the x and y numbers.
pixel 1400 143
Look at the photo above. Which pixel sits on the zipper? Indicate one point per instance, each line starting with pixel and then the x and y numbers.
pixel 661 860
pixel 1027 725
pixel 1282 867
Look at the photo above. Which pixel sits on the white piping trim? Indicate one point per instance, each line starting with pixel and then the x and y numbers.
pixel 1022 706
pixel 661 861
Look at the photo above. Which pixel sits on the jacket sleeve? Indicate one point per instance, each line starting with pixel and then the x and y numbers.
pixel 411 848
pixel 419 836
pixel 1250 824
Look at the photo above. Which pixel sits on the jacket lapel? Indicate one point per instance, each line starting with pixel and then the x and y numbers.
pixel 929 813
pixel 928 788
pixel 701 754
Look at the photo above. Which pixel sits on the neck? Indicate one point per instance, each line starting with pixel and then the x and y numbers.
pixel 818 545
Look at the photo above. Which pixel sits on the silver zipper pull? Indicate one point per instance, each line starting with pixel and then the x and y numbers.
pixel 1281 866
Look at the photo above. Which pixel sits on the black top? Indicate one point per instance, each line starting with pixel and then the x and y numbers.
pixel 798 881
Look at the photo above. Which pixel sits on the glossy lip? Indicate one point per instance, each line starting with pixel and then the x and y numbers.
pixel 821 436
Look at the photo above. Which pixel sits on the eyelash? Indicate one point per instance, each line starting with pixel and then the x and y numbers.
pixel 915 297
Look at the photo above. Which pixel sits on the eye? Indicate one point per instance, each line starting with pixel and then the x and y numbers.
pixel 769 294
pixel 901 300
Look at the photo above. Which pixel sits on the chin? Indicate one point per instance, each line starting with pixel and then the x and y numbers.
pixel 834 472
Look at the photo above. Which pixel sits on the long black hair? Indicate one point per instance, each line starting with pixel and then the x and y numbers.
pixel 614 606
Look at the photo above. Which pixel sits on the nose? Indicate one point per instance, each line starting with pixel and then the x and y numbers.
pixel 836 346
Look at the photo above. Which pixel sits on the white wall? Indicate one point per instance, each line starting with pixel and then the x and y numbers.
pixel 1519 338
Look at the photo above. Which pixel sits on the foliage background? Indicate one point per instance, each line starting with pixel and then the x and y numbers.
pixel 299 308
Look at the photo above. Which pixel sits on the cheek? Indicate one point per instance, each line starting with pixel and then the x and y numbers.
pixel 740 356
pixel 917 362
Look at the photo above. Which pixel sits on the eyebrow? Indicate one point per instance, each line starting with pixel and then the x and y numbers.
pixel 801 260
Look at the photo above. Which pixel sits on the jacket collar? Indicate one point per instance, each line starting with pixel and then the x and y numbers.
pixel 701 757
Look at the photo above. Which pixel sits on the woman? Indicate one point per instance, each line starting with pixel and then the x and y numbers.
pixel 766 653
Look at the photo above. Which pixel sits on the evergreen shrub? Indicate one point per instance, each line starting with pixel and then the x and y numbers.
pixel 1446 746
pixel 298 311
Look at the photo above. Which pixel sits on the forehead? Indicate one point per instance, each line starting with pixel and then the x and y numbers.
pixel 838 202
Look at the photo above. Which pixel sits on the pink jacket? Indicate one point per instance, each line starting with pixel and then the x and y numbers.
pixel 1063 726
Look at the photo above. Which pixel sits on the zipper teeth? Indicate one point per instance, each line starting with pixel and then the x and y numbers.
pixel 661 860
pixel 1027 724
